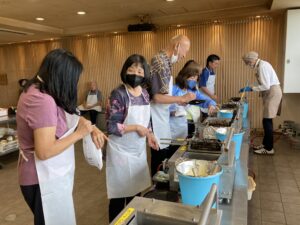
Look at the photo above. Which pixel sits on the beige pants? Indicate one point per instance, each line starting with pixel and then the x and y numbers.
pixel 272 101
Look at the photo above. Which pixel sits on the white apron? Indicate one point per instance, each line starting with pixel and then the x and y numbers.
pixel 56 178
pixel 179 127
pixel 91 100
pixel 127 171
pixel 210 85
pixel 160 115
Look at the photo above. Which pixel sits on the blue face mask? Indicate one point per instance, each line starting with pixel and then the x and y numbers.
pixel 191 84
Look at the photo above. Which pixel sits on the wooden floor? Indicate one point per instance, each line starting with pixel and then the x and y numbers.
pixel 89 194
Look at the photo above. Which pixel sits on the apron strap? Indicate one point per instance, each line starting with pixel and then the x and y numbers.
pixel 23 156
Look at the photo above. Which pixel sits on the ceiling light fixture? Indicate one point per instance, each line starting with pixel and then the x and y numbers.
pixel 257 17
pixel 169 0
pixel 115 32
pixel 178 25
pixel 81 12
pixel 39 19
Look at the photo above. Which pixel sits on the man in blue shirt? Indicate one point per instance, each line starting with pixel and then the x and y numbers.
pixel 207 80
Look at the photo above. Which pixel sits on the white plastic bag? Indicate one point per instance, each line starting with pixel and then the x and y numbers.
pixel 92 155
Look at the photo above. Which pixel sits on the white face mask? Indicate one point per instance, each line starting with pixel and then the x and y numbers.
pixel 174 58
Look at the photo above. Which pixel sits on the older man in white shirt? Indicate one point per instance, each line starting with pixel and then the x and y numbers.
pixel 270 91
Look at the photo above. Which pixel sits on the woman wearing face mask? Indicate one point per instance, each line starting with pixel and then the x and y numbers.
pixel 186 81
pixel 127 171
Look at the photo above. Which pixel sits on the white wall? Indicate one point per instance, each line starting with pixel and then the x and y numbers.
pixel 292 53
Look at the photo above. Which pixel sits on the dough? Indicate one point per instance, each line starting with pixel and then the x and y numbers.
pixel 10 138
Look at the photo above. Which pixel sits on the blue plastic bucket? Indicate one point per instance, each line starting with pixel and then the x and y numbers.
pixel 226 114
pixel 245 124
pixel 245 110
pixel 236 138
pixel 194 189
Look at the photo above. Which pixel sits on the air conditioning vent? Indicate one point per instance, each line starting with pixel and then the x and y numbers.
pixel 17 32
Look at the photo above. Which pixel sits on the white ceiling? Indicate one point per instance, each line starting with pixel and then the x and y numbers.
pixel 113 15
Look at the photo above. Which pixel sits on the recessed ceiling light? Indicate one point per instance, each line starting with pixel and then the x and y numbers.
pixel 178 25
pixel 257 17
pixel 170 0
pixel 81 12
pixel 115 32
pixel 39 18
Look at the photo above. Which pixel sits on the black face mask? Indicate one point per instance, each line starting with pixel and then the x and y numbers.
pixel 134 80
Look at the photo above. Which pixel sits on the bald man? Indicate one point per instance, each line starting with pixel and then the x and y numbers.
pixel 270 91
pixel 161 83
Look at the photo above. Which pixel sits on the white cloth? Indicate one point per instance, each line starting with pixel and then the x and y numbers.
pixel 180 111
pixel 194 112
pixel 92 155
pixel 266 76
pixel 161 120
pixel 127 171
pixel 210 85
pixel 56 179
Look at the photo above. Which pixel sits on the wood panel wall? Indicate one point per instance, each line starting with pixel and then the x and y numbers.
pixel 103 55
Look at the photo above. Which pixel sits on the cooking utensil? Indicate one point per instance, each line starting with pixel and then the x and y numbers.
pixel 196 102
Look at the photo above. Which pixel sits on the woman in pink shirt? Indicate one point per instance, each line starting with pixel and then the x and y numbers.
pixel 42 126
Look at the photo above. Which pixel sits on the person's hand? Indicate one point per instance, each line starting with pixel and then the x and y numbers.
pixel 98 137
pixel 187 97
pixel 246 89
pixel 84 127
pixel 142 131
pixel 215 97
pixel 152 141
pixel 211 109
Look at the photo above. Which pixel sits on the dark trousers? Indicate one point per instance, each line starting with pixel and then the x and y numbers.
pixel 191 128
pixel 32 196
pixel 203 116
pixel 93 115
pixel 268 133
pixel 116 205
pixel 158 156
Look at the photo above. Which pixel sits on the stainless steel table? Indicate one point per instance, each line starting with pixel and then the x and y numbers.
pixel 236 212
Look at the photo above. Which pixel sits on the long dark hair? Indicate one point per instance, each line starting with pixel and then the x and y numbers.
pixel 190 69
pixel 58 76
pixel 139 59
